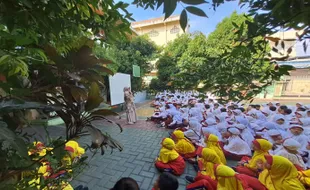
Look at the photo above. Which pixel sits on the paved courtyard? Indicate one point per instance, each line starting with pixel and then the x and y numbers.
pixel 141 147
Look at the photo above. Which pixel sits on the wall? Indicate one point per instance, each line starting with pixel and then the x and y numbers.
pixel 161 33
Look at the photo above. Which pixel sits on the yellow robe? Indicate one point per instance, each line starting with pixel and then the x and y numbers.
pixel 281 176
pixel 183 145
pixel 259 155
pixel 212 143
pixel 168 153
pixel 226 179
pixel 209 159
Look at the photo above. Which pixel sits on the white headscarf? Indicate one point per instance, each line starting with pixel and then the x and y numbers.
pixel 222 125
pixel 291 144
pixel 302 138
pixel 236 145
pixel 237 112
pixel 194 131
pixel 245 134
pixel 211 128
pixel 284 126
pixel 295 158
pixel 270 133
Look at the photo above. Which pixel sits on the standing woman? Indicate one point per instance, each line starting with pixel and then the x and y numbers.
pixel 130 106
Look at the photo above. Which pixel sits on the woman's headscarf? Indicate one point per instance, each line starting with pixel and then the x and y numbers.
pixel 271 133
pixel 195 126
pixel 167 153
pixel 261 118
pixel 242 120
pixel 209 159
pixel 212 143
pixel 183 145
pixel 245 134
pixel 226 178
pixel 236 145
pixel 237 112
pixel 259 155
pixel 302 113
pixel 281 176
pixel 266 110
pixel 291 144
pixel 270 125
pixel 210 121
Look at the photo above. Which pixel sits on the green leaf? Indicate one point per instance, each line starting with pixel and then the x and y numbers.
pixel 183 19
pixel 194 2
pixel 3 58
pixel 94 97
pixel 169 7
pixel 14 141
pixel 196 11
pixel 235 25
pixel 79 94
pixel 103 69
pixel 159 3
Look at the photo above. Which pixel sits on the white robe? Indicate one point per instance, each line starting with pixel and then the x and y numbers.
pixel 237 146
pixel 294 158
pixel 194 132
pixel 302 139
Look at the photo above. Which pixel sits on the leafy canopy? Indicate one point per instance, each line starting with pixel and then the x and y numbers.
pixel 137 51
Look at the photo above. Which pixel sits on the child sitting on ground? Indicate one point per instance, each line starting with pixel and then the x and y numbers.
pixel 183 146
pixel 169 159
pixel 236 147
pixel 247 165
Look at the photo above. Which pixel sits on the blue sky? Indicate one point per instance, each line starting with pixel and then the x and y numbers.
pixel 205 25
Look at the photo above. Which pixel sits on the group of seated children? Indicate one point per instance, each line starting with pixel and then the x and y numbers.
pixel 271 144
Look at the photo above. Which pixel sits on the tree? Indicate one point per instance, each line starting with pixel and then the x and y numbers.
pixel 47 64
pixel 192 62
pixel 178 46
pixel 137 51
pixel 167 63
pixel 221 64
pixel 223 38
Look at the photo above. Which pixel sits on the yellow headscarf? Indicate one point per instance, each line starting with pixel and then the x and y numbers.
pixel 75 149
pixel 183 146
pixel 282 175
pixel 226 179
pixel 212 143
pixel 167 153
pixel 259 155
pixel 209 159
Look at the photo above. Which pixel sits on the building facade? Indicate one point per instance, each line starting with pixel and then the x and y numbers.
pixel 297 84
pixel 159 30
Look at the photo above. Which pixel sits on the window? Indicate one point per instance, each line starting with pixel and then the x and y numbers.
pixel 153 33
pixel 175 30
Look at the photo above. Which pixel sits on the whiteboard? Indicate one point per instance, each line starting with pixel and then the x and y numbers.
pixel 117 83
